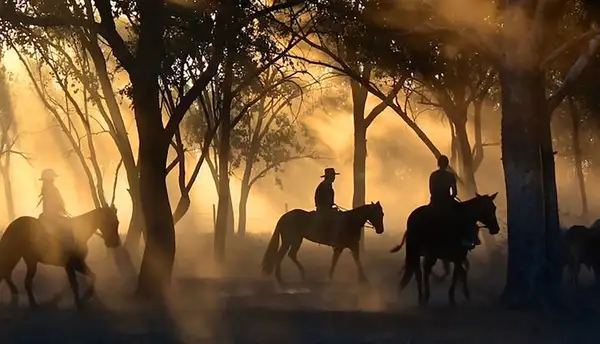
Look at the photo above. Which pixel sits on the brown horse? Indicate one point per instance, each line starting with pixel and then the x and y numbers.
pixel 28 238
pixel 426 235
pixel 298 224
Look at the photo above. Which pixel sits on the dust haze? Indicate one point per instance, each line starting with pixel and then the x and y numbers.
pixel 398 168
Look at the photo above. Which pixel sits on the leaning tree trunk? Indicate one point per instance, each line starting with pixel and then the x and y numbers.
pixel 576 144
pixel 523 111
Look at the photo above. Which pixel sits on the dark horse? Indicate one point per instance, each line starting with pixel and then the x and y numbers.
pixel 28 238
pixel 427 236
pixel 298 224
pixel 580 247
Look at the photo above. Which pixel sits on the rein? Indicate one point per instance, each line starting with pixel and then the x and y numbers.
pixel 367 224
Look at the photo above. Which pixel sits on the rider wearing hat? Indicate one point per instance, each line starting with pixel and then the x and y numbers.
pixel 53 205
pixel 443 192
pixel 324 198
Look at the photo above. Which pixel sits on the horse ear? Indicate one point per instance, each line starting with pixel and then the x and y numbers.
pixel 378 203
pixel 372 202
pixel 478 195
pixel 494 196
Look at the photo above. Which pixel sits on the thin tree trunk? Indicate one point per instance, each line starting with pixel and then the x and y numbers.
pixel 478 144
pixel 8 193
pixel 467 170
pixel 224 204
pixel 576 143
pixel 359 101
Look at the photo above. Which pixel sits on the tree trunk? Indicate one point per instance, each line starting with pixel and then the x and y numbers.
pixel 8 193
pixel 359 101
pixel 159 254
pixel 214 170
pixel 576 143
pixel 242 219
pixel 467 170
pixel 523 107
pixel 224 205
pixel 478 144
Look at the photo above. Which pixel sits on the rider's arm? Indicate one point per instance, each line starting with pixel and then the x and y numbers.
pixel 431 184
pixel 454 190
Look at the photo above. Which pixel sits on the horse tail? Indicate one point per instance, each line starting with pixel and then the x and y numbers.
pixel 399 247
pixel 268 262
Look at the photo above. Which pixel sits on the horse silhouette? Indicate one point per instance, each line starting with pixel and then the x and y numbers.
pixel 27 238
pixel 427 236
pixel 580 246
pixel 297 224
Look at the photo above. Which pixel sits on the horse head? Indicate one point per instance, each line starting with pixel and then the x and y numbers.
pixel 376 216
pixel 109 226
pixel 486 212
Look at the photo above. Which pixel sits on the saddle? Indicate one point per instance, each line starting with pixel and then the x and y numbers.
pixel 326 221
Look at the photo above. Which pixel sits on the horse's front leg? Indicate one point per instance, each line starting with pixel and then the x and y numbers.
pixel 71 275
pixel 428 264
pixel 82 267
pixel 31 271
pixel 356 255
pixel 337 251
pixel 458 268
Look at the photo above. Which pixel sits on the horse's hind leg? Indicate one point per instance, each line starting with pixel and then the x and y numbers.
pixel 427 267
pixel 356 255
pixel 293 254
pixel 31 271
pixel 285 247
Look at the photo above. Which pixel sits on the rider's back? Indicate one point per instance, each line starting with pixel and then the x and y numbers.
pixel 440 182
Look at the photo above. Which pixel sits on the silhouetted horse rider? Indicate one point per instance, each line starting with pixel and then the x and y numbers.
pixel 443 191
pixel 54 214
pixel 324 201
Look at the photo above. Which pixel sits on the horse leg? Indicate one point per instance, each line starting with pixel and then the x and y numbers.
pixel 463 277
pixel 293 254
pixel 31 271
pixel 14 291
pixel 82 267
pixel 427 267
pixel 455 276
pixel 74 285
pixel 419 278
pixel 337 251
pixel 285 246
pixel 356 255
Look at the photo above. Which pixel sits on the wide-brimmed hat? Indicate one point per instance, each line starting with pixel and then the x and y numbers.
pixel 329 171
pixel 48 174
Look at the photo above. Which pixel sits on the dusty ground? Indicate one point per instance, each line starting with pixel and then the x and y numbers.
pixel 239 306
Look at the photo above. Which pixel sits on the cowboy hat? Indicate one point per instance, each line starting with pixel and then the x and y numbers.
pixel 329 171
pixel 48 174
